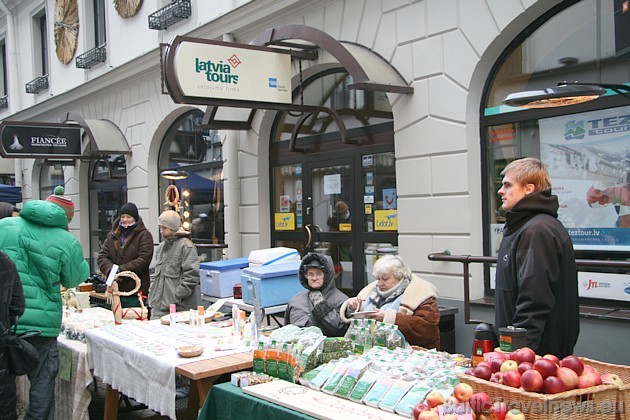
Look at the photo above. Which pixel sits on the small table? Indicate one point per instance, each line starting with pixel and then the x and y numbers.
pixel 270 311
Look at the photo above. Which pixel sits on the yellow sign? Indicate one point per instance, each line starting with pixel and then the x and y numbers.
pixel 284 221
pixel 345 227
pixel 386 220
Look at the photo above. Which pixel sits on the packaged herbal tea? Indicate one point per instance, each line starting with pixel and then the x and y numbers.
pixel 259 358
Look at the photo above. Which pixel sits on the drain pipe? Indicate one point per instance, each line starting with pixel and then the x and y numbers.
pixel 12 57
pixel 232 187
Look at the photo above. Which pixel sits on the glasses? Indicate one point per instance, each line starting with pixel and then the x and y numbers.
pixel 315 275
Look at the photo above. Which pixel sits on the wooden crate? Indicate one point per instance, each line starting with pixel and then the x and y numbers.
pixel 623 394
pixel 596 403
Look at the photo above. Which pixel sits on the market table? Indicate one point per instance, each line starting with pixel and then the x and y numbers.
pixel 228 402
pixel 139 360
pixel 269 311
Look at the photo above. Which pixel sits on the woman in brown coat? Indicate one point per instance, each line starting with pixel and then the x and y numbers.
pixel 399 297
pixel 130 246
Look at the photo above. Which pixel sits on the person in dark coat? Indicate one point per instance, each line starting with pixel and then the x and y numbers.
pixel 130 246
pixel 8 210
pixel 536 280
pixel 11 307
pixel 319 304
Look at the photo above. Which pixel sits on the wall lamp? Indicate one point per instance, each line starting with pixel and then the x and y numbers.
pixel 566 93
pixel 173 175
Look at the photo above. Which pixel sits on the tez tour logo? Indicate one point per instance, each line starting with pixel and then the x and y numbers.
pixel 574 130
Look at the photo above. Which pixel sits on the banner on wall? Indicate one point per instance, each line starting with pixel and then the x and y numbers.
pixel 588 156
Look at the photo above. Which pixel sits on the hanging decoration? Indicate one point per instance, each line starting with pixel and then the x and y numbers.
pixel 66 29
pixel 172 198
pixel 127 8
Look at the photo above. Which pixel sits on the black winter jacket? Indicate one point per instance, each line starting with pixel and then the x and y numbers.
pixel 536 280
pixel 11 306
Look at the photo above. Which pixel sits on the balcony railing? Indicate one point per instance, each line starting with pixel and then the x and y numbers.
pixel 92 57
pixel 37 85
pixel 4 102
pixel 170 14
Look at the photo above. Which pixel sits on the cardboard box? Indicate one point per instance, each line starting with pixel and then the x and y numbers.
pixel 273 284
pixel 219 277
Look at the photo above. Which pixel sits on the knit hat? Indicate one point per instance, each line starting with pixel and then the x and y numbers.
pixel 62 201
pixel 170 219
pixel 131 210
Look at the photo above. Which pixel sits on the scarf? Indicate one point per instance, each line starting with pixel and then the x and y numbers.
pixel 387 299
pixel 125 233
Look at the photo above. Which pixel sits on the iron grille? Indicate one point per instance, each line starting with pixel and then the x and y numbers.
pixel 91 58
pixel 4 102
pixel 37 85
pixel 170 14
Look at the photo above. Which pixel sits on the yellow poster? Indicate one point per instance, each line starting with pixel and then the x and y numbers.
pixel 284 221
pixel 345 227
pixel 386 220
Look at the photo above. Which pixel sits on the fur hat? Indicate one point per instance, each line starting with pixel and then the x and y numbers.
pixel 170 219
pixel 62 201
pixel 131 210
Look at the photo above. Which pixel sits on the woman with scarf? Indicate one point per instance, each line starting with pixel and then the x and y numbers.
pixel 399 297
pixel 130 246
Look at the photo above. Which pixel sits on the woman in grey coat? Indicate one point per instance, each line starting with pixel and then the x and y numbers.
pixel 318 305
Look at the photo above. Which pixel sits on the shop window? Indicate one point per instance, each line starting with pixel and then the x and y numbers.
pixel 50 176
pixel 586 147
pixel 198 153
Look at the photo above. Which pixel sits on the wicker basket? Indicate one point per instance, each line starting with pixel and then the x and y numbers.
pixel 623 395
pixel 596 403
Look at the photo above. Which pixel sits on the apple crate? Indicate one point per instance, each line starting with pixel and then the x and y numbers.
pixel 623 393
pixel 595 403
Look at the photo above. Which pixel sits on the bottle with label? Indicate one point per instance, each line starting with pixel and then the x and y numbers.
pixel 172 314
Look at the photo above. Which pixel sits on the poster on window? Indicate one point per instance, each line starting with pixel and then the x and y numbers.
pixel 588 156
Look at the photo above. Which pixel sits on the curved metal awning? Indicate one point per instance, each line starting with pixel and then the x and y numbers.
pixel 105 136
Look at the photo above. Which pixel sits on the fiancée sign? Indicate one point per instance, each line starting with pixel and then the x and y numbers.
pixel 21 139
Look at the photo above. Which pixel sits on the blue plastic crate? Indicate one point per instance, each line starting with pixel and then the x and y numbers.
pixel 274 284
pixel 218 278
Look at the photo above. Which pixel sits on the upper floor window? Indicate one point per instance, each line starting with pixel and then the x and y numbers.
pixel 3 68
pixel 40 44
pixel 100 33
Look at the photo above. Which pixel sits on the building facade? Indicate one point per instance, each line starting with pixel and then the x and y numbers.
pixel 425 154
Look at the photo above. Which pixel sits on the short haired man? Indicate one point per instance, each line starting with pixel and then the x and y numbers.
pixel 536 280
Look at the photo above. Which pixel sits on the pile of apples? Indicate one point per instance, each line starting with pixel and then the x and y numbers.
pixel 464 404
pixel 547 374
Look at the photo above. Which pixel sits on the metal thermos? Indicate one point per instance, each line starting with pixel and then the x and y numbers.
pixel 483 342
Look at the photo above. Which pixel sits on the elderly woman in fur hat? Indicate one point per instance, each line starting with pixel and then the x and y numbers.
pixel 399 297
pixel 319 304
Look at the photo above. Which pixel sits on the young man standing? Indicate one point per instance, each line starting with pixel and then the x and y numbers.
pixel 536 280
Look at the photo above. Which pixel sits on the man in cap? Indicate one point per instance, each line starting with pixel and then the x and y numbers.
pixel 175 270
pixel 62 201
pixel 319 304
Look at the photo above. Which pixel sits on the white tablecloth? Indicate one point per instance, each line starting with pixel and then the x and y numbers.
pixel 139 358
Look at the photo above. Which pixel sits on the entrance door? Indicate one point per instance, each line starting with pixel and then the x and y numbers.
pixel 342 206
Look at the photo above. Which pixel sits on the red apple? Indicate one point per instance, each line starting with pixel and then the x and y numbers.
pixel 470 371
pixel 546 367
pixel 587 380
pixel 525 354
pixel 419 408
pixel 590 369
pixel 483 371
pixel 463 392
pixel 611 378
pixel 574 363
pixel 451 400
pixel 500 409
pixel 568 377
pixel 497 377
pixel 524 367
pixel 509 365
pixel 434 398
pixel 512 378
pixel 428 415
pixel 480 402
pixel 495 365
pixel 513 355
pixel 532 381
pixel 553 358
pixel 514 414
pixel 552 385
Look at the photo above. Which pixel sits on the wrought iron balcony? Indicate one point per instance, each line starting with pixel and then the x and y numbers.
pixel 4 102
pixel 170 14
pixel 92 57
pixel 37 85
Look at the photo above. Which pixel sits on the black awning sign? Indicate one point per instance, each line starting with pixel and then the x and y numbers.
pixel 39 140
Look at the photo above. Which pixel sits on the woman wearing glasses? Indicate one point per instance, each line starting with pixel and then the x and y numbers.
pixel 399 297
pixel 319 304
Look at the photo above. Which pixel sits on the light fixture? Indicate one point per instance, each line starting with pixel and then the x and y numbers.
pixel 566 93
pixel 174 175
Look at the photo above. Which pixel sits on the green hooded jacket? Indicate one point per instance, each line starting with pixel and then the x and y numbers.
pixel 47 257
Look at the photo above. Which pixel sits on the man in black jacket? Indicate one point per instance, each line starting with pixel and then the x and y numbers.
pixel 536 280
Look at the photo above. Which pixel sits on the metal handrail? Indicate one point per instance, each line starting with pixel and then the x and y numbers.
pixel 467 259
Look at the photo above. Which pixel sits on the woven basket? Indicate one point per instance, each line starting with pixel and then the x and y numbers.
pixel 623 394
pixel 596 403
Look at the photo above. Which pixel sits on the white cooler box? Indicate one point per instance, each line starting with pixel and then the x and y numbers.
pixel 274 284
pixel 218 278
pixel 271 256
